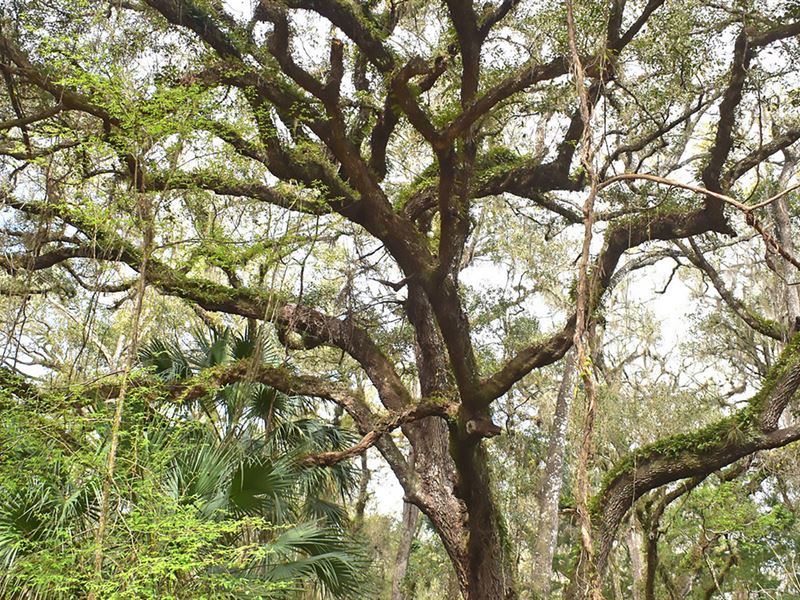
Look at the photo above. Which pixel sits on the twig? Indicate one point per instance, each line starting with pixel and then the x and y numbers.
pixel 698 189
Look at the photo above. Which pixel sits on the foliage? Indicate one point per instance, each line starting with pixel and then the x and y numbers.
pixel 196 515
pixel 244 243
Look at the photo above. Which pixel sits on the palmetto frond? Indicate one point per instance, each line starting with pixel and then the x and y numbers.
pixel 166 358
pixel 239 486
pixel 316 552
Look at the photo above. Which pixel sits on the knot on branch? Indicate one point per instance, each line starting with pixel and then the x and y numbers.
pixel 482 427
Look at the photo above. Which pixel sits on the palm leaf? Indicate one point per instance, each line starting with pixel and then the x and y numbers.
pixel 313 552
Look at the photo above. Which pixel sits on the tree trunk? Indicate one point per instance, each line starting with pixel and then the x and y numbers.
pixel 434 493
pixel 651 553
pixel 452 474
pixel 550 488
pixel 407 534
pixel 363 493
pixel 783 231
pixel 488 572
pixel 634 541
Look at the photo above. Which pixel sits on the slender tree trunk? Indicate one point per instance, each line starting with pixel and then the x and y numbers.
pixel 144 209
pixel 363 493
pixel 407 534
pixel 634 542
pixel 783 231
pixel 651 554
pixel 552 480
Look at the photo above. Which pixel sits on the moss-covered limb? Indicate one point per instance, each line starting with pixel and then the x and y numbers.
pixel 284 196
pixel 314 325
pixel 12 263
pixel 368 423
pixel 358 24
pixel 776 391
pixel 204 22
pixel 373 427
pixel 108 245
pixel 280 378
pixel 780 385
pixel 246 302
pixel 702 452
pixel 384 425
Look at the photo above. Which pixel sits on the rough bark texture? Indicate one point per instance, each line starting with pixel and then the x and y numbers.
pixel 634 543
pixel 488 572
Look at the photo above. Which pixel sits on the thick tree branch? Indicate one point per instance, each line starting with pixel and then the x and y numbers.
pixel 620 237
pixel 723 142
pixel 383 426
pixel 354 24
pixel 246 302
pixel 680 456
pixel 759 155
pixel 281 195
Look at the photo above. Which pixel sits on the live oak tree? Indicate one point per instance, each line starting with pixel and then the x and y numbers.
pixel 329 167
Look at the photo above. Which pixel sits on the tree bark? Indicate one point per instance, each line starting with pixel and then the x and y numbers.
pixel 634 541
pixel 488 571
pixel 363 493
pixel 551 482
pixel 651 562
pixel 435 490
